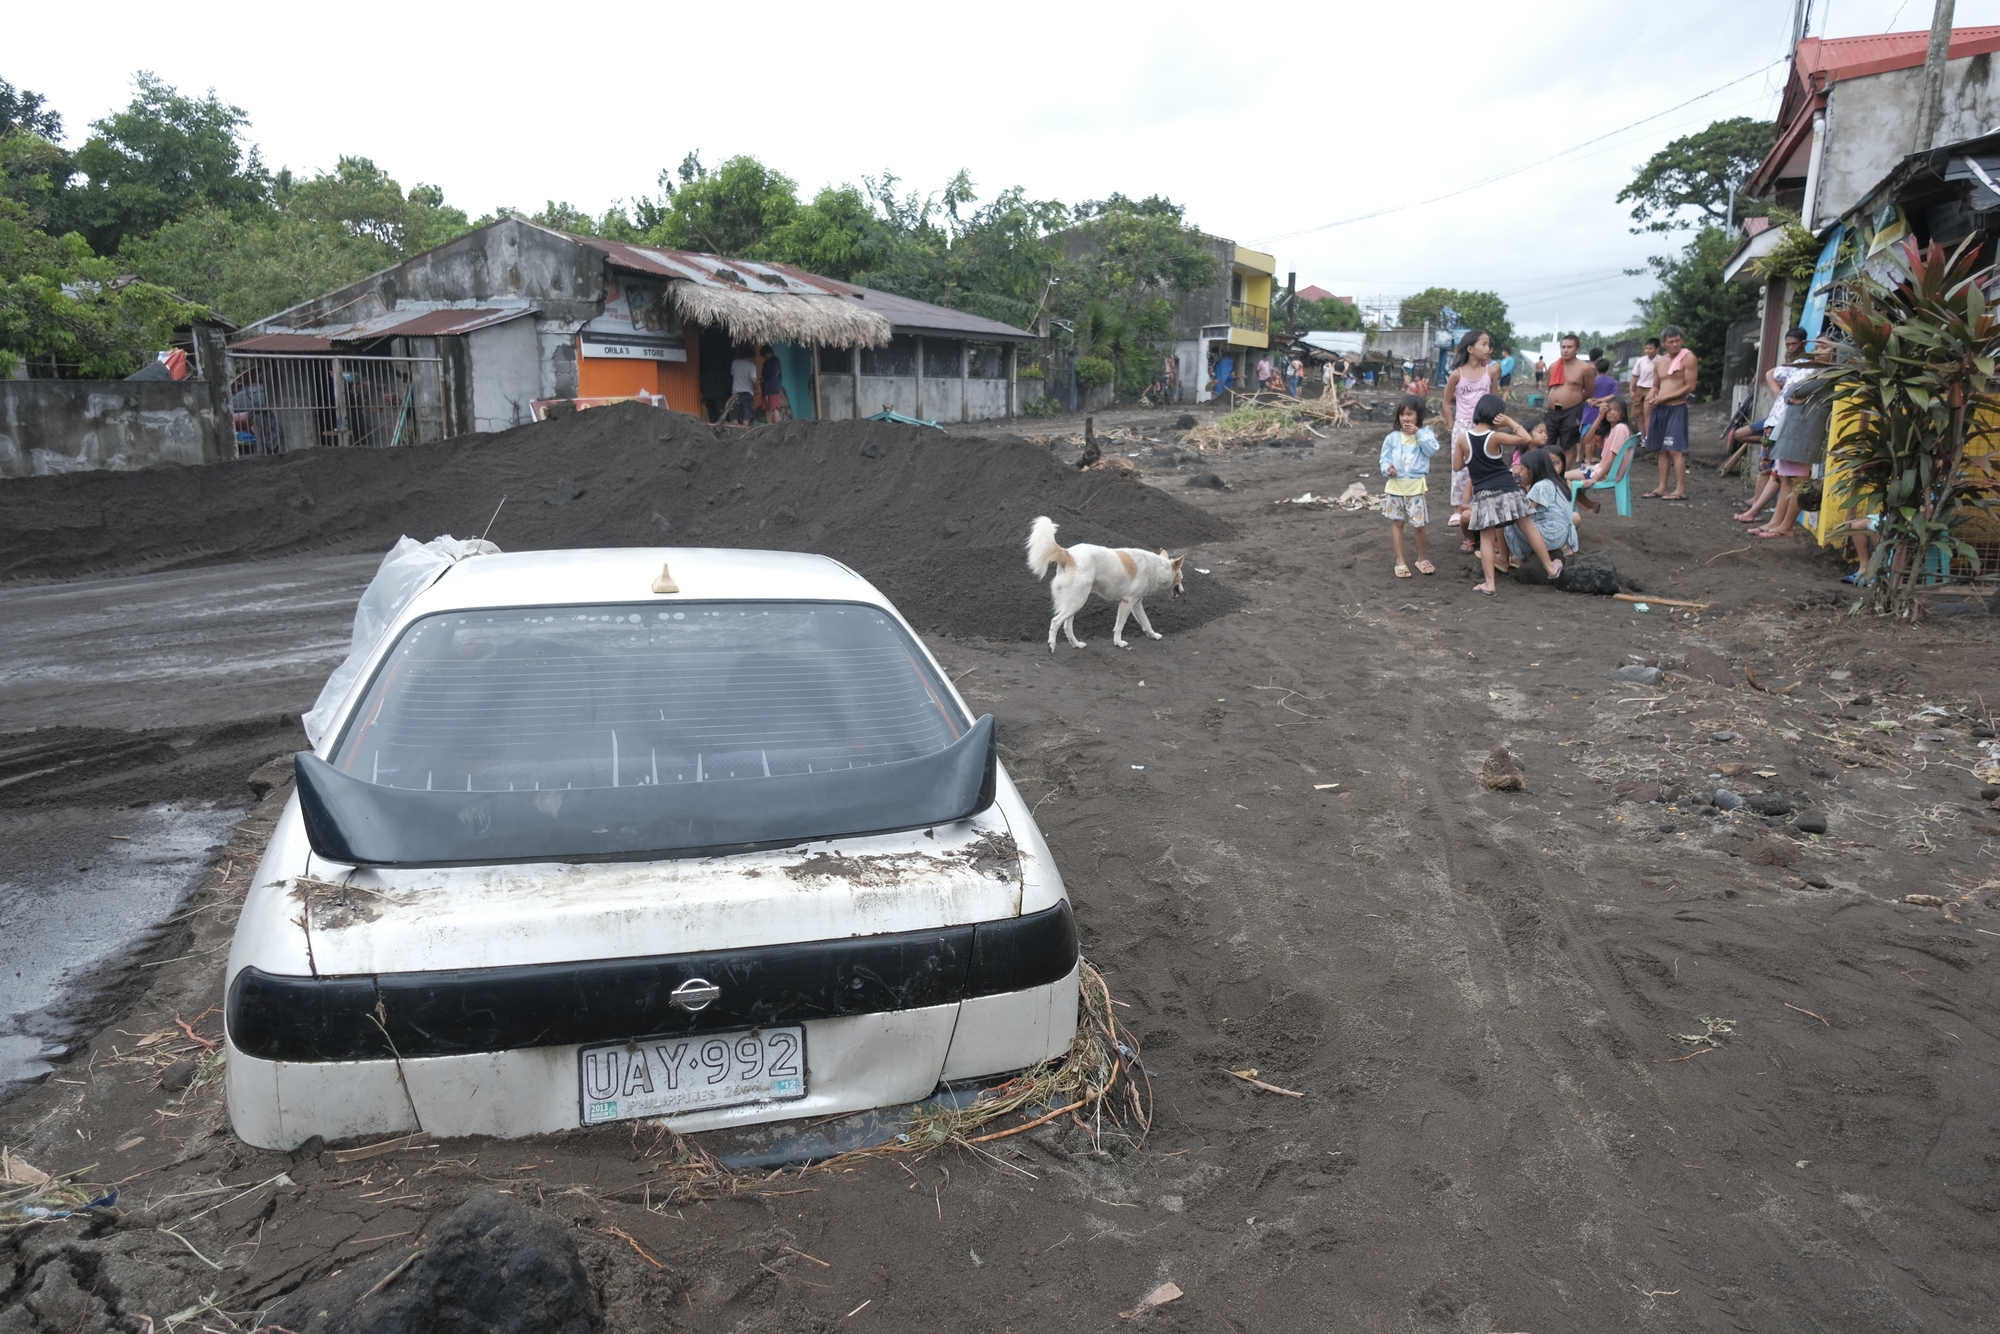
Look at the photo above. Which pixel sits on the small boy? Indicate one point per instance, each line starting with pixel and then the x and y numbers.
pixel 1406 462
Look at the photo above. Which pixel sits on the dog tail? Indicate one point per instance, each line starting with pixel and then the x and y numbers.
pixel 1042 548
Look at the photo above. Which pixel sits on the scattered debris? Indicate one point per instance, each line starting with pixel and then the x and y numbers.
pixel 1664 602
pixel 1249 1077
pixel 1500 774
pixel 1924 900
pixel 1643 676
pixel 1712 1032
pixel 1160 1296
pixel 1726 800
pixel 18 1171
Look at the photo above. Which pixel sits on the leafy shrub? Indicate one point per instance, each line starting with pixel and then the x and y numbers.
pixel 1094 372
pixel 1925 346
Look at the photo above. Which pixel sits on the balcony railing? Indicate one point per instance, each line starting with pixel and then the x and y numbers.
pixel 1243 315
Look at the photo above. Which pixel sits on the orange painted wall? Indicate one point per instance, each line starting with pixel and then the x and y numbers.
pixel 609 377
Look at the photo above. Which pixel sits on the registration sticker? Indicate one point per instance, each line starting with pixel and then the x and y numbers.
pixel 699 1072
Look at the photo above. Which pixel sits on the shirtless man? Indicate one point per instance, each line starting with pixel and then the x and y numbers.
pixel 1667 429
pixel 1571 381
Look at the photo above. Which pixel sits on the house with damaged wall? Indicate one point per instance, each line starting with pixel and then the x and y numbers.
pixel 488 330
pixel 1846 160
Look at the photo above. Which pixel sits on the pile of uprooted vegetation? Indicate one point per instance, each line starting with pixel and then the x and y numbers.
pixel 1267 417
pixel 935 520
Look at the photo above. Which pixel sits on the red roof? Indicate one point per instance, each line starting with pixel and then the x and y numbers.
pixel 1821 62
pixel 1318 293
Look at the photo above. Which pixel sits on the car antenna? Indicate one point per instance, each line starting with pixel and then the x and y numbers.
pixel 496 515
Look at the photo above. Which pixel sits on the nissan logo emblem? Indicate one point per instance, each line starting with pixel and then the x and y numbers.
pixel 697 993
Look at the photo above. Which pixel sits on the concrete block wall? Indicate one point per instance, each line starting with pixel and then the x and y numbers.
pixel 57 426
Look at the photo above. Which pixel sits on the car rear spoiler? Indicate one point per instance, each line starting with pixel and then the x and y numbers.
pixel 360 823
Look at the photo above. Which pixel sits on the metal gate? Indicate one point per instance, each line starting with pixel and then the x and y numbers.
pixel 286 402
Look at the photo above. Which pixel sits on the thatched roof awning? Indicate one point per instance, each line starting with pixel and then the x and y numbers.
pixel 802 317
pixel 751 300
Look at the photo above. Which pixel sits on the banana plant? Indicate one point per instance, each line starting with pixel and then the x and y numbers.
pixel 1921 385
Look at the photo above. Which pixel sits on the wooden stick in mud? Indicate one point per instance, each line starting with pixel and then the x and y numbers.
pixel 1657 602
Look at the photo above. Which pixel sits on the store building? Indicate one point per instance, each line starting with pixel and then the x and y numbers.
pixel 491 329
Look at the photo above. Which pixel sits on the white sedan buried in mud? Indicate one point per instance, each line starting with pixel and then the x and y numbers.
pixel 573 851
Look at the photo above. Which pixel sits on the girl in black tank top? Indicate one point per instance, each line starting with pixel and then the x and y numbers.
pixel 1497 498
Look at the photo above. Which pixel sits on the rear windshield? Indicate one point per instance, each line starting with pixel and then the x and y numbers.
pixel 532 698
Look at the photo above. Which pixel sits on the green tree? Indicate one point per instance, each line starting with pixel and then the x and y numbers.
pixel 1694 173
pixel 21 110
pixel 1476 310
pixel 732 210
pixel 837 235
pixel 164 156
pixel 36 173
pixel 1330 315
pixel 362 202
pixel 61 304
pixel 1693 295
pixel 320 233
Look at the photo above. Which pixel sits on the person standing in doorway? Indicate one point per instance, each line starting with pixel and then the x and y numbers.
pixel 1667 430
pixel 742 388
pixel 776 406
pixel 1225 374
pixel 1571 381
pixel 1641 385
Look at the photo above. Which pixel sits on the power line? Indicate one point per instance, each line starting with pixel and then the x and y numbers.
pixel 1516 171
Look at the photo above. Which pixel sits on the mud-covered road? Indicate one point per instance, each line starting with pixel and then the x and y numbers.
pixel 1593 1054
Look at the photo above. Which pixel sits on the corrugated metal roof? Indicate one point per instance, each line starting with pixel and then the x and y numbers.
pixel 437 323
pixel 910 315
pixel 283 342
pixel 742 275
pixel 430 322
pixel 1852 57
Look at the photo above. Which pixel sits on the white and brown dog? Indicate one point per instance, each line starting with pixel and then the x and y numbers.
pixel 1125 576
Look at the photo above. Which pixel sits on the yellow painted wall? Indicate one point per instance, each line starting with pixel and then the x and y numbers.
pixel 1256 260
pixel 1256 292
pixel 1834 515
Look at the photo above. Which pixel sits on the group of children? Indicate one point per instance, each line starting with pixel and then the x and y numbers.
pixel 1510 492
pixel 1510 489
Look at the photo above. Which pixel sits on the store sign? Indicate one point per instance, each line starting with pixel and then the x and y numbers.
pixel 629 350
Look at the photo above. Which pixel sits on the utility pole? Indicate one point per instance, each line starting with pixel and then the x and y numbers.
pixel 1291 304
pixel 1930 109
pixel 1799 15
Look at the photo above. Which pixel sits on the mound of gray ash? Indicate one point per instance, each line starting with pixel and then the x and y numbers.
pixel 936 521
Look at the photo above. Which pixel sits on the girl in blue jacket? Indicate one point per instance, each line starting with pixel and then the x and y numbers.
pixel 1406 463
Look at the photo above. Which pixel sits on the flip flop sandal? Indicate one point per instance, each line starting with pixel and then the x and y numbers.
pixel 1556 573
pixel 1425 567
pixel 1469 548
pixel 1482 588
pixel 1402 571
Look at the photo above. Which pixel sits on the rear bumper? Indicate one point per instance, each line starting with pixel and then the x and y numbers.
pixel 854 1063
pixel 473 1011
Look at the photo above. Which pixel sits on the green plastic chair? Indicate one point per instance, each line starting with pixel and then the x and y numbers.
pixel 1617 482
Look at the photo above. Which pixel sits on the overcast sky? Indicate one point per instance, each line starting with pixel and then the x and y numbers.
pixel 1263 127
